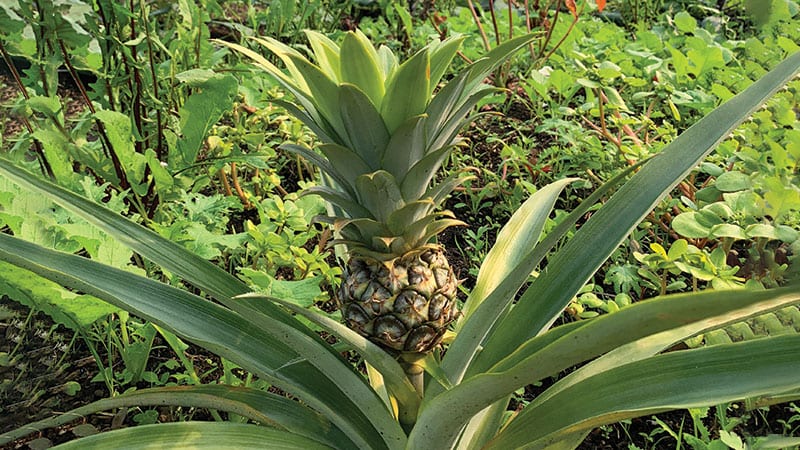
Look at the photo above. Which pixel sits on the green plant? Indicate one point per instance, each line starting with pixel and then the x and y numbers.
pixel 500 347
pixel 385 136
pixel 125 132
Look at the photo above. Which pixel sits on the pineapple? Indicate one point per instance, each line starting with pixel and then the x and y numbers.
pixel 384 136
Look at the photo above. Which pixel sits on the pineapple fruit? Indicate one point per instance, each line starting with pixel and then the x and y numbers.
pixel 385 132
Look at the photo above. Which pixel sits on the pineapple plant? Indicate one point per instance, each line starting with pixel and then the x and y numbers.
pixel 385 131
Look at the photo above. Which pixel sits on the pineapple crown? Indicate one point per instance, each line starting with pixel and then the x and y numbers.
pixel 384 133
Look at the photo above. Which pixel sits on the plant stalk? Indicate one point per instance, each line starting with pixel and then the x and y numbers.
pixel 414 370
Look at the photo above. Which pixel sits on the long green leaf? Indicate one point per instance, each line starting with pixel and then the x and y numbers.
pixel 341 180
pixel 407 91
pixel 345 161
pixel 326 53
pixel 569 269
pixel 194 436
pixel 517 237
pixel 396 381
pixel 347 204
pixel 275 351
pixel 448 412
pixel 360 66
pixel 677 380
pixel 363 125
pixel 169 255
pixel 261 406
pixel 442 54
pixel 324 92
pixel 421 174
pixel 380 194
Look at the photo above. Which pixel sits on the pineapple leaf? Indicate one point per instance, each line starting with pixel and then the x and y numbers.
pixel 338 198
pixel 406 146
pixel 478 322
pixel 388 61
pixel 323 164
pixel 482 67
pixel 439 192
pixel 450 125
pixel 407 91
pixel 420 232
pixel 266 345
pixel 517 237
pixel 360 66
pixel 533 361
pixel 288 55
pixel 346 162
pixel 443 104
pixel 404 217
pixel 442 54
pixel 363 125
pixel 258 405
pixel 378 192
pixel 293 85
pixel 310 118
pixel 197 435
pixel 420 175
pixel 296 86
pixel 326 53
pixel 324 91
pixel 582 255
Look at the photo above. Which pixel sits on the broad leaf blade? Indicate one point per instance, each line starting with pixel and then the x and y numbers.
pixel 361 66
pixel 405 147
pixel 363 125
pixel 379 194
pixel 407 91
pixel 171 256
pixel 324 92
pixel 478 325
pixel 517 237
pixel 194 435
pixel 442 54
pixel 340 179
pixel 326 53
pixel 396 381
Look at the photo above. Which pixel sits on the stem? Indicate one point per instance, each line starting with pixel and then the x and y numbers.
pixel 37 146
pixel 529 29
pixel 416 375
pixel 123 179
pixel 494 22
pixel 414 371
pixel 477 19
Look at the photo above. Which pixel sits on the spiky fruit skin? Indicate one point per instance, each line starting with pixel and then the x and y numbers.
pixel 403 304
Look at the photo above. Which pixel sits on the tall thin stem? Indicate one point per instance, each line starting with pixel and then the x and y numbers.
pixel 37 146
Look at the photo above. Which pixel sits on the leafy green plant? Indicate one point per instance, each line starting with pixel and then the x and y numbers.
pixel 500 345
pixel 125 133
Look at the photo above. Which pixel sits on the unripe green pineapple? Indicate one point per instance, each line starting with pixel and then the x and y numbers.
pixel 385 135
pixel 404 303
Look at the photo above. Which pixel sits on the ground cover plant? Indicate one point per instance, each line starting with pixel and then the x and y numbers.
pixel 600 129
